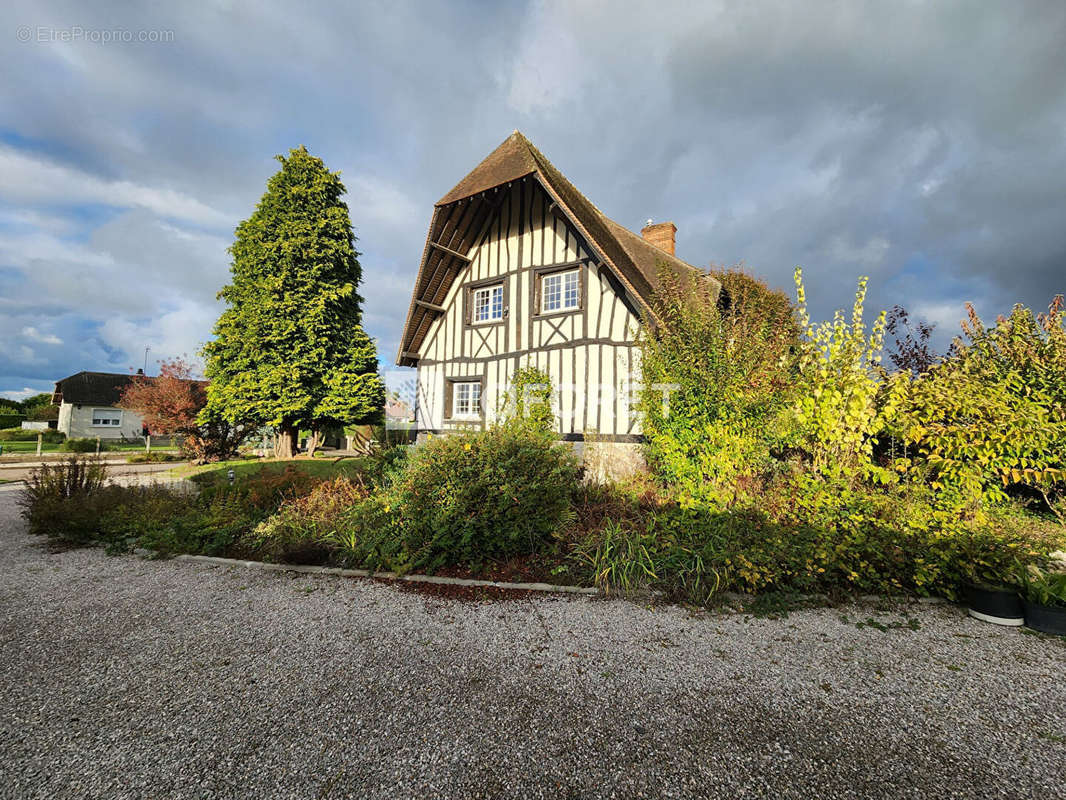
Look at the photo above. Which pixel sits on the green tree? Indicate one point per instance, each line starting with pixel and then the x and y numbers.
pixel 289 350
pixel 33 402
pixel 727 357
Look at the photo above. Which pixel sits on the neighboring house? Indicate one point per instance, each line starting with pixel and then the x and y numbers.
pixel 520 268
pixel 88 406
pixel 398 414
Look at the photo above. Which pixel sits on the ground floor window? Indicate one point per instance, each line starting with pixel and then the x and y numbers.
pixel 466 399
pixel 107 417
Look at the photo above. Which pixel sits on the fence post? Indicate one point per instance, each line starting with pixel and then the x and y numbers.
pixel 148 443
pixel 40 442
pixel 97 445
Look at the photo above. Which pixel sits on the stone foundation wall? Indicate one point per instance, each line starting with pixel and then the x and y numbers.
pixel 610 460
pixel 602 460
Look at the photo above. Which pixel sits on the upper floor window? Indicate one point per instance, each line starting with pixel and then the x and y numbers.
pixel 488 303
pixel 560 291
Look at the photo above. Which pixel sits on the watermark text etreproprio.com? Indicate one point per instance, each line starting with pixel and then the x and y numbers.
pixel 76 33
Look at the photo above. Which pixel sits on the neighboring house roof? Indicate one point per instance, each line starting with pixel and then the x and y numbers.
pixel 96 388
pixel 459 215
pixel 398 409
pixel 91 388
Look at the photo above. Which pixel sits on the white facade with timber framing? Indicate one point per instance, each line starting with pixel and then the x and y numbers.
pixel 519 268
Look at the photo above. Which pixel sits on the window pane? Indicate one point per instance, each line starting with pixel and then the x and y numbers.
pixel 570 300
pixel 560 291
pixel 466 399
pixel 488 303
pixel 552 292
pixel 496 312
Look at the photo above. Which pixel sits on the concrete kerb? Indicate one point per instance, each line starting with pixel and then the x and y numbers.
pixel 362 573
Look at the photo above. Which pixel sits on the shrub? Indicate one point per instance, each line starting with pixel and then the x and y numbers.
pixel 266 490
pixel 173 403
pixel 299 531
pixel 71 502
pixel 368 535
pixel 179 523
pixel 43 413
pixel 383 467
pixel 58 499
pixel 808 534
pixel 836 413
pixel 11 420
pixel 528 400
pixel 465 499
pixel 992 415
pixel 154 457
pixel 84 445
pixel 23 435
pixel 730 367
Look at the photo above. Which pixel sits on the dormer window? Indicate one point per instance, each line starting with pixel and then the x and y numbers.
pixel 487 304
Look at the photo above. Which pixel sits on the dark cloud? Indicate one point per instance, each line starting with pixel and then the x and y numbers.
pixel 921 144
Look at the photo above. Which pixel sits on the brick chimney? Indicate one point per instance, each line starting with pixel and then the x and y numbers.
pixel 660 234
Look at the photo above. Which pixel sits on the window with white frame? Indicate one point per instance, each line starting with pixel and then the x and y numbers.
pixel 488 303
pixel 560 291
pixel 107 417
pixel 466 399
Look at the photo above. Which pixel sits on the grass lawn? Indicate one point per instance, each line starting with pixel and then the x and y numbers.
pixel 47 447
pixel 208 474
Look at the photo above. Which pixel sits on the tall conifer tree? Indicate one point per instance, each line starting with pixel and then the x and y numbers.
pixel 289 350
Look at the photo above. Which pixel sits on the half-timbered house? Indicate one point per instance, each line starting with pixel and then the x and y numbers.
pixel 520 268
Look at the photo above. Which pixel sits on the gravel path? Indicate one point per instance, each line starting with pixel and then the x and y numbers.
pixel 121 677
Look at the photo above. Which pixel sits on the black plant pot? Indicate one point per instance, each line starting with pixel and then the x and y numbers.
pixel 998 606
pixel 1047 619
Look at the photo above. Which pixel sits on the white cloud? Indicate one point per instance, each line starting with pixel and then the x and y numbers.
pixel 19 394
pixel 180 331
pixel 26 178
pixel 31 332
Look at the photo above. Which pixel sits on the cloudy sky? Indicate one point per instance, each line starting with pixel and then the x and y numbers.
pixel 920 143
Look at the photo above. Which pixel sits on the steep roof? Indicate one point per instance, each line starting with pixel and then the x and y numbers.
pixel 634 261
pixel 96 388
pixel 91 388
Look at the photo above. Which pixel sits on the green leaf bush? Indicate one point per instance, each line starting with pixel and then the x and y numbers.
pixel 23 435
pixel 844 478
pixel 992 416
pixel 724 361
pixel 82 445
pixel 469 498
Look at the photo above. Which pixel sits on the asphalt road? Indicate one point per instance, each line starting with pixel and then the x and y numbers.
pixel 19 471
pixel 121 677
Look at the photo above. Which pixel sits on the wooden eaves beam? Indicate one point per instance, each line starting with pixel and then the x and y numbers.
pixel 430 306
pixel 450 252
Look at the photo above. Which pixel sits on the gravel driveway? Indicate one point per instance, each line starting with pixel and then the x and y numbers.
pixel 121 677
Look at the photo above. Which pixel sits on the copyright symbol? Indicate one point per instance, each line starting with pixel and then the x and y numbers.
pixel 24 33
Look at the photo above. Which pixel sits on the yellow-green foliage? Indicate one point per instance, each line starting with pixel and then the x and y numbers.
pixel 836 413
pixel 993 414
pixel 725 363
pixel 529 400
